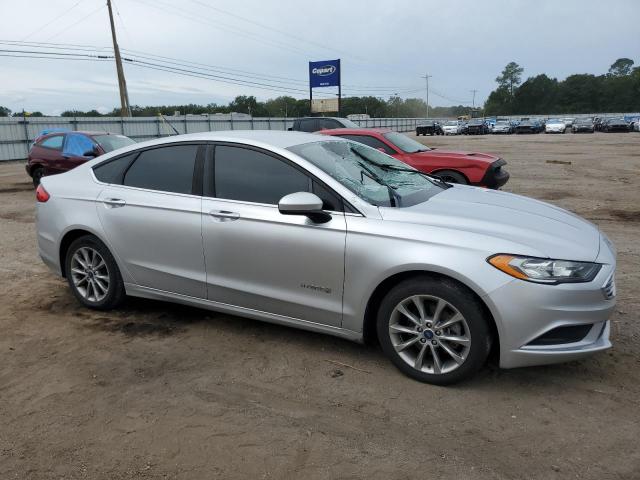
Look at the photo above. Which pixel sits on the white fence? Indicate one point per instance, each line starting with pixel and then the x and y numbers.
pixel 17 133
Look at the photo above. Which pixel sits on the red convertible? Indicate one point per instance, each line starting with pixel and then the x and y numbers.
pixel 468 168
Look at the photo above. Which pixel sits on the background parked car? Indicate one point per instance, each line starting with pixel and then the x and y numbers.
pixel 315 124
pixel 502 126
pixel 617 124
pixel 583 125
pixel 429 128
pixel 555 125
pixel 477 126
pixel 452 128
pixel 472 168
pixel 56 151
pixel 529 126
pixel 568 121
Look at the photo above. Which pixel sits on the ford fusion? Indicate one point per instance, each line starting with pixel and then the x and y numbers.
pixel 333 236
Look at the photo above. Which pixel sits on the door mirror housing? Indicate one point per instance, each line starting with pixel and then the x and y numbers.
pixel 304 203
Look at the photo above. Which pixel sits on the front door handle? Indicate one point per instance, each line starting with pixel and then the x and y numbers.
pixel 224 215
pixel 114 202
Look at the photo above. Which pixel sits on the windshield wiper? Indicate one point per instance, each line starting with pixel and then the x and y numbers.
pixel 431 178
pixel 394 197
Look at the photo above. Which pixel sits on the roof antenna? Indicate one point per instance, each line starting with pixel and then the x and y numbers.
pixel 168 123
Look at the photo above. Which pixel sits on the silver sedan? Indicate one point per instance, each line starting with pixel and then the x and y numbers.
pixel 332 236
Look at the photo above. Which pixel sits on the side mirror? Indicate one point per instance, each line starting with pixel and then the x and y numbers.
pixel 91 153
pixel 304 203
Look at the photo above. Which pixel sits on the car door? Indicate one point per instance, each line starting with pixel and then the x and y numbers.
pixel 151 214
pixel 259 259
pixel 75 146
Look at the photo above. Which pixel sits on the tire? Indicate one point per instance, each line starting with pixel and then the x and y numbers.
pixel 451 176
pixel 37 175
pixel 417 347
pixel 89 266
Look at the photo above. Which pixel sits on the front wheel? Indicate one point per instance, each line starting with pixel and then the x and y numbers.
pixel 433 330
pixel 450 176
pixel 93 275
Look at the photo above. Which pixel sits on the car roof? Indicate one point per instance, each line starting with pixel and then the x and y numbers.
pixel 354 131
pixel 273 138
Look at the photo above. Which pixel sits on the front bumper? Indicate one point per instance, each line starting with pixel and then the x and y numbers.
pixel 525 312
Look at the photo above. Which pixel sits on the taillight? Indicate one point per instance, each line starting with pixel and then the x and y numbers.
pixel 41 194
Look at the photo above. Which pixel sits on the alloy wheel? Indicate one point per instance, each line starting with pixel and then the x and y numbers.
pixel 89 274
pixel 429 334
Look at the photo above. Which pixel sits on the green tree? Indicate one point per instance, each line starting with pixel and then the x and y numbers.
pixel 498 102
pixel 4 111
pixel 621 67
pixel 537 95
pixel 510 77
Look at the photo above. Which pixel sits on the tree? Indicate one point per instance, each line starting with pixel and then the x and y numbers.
pixel 498 102
pixel 537 95
pixel 621 67
pixel 511 76
pixel 4 111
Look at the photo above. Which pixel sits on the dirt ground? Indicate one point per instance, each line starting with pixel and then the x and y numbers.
pixel 155 390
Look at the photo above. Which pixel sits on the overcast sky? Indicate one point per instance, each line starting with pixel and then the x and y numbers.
pixel 385 46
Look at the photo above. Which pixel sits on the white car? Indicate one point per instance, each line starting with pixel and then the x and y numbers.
pixel 555 126
pixel 452 127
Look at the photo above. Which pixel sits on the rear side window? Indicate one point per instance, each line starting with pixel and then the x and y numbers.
pixel 54 142
pixel 167 169
pixel 370 141
pixel 308 125
pixel 112 171
pixel 329 123
pixel 251 176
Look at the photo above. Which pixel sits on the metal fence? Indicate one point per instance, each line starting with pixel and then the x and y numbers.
pixel 17 133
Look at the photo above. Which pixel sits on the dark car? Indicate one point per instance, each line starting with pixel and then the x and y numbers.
pixel 315 124
pixel 617 124
pixel 429 128
pixel 585 125
pixel 528 126
pixel 472 168
pixel 56 151
pixel 477 126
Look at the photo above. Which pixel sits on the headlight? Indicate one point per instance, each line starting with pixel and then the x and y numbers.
pixel 545 270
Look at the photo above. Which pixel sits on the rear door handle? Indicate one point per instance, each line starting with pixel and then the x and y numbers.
pixel 114 202
pixel 224 215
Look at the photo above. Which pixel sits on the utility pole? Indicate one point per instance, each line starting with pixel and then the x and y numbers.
pixel 474 98
pixel 427 77
pixel 125 108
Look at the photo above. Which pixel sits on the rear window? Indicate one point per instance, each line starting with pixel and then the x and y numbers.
pixel 110 143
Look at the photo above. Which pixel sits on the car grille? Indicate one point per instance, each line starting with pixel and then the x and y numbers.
pixel 609 288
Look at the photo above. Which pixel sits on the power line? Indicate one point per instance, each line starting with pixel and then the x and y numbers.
pixel 65 29
pixel 55 19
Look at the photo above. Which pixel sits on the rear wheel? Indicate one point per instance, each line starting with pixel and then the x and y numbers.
pixel 450 176
pixel 93 275
pixel 433 330
pixel 37 175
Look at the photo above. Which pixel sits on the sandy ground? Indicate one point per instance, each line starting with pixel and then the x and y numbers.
pixel 161 391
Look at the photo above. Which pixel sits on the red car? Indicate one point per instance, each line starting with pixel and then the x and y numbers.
pixel 468 168
pixel 56 151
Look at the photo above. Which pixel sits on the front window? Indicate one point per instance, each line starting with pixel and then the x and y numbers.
pixel 112 142
pixel 405 143
pixel 451 124
pixel 369 173
pixel 346 123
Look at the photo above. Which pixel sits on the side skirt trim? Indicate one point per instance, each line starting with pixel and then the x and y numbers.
pixel 155 294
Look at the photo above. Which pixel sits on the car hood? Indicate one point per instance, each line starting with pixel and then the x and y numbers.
pixel 538 228
pixel 456 154
pixel 556 124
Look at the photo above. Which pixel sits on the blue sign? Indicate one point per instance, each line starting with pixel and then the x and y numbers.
pixel 324 74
